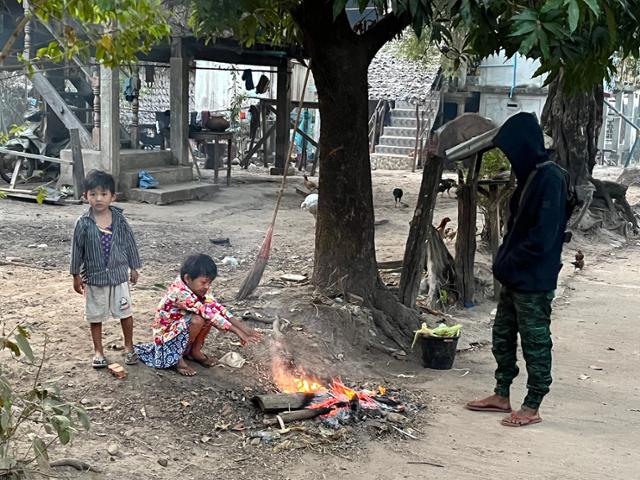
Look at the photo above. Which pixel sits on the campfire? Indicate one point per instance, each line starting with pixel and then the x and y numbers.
pixel 303 398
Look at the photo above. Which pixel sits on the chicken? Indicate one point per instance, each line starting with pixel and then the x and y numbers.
pixel 440 228
pixel 450 234
pixel 310 204
pixel 579 263
pixel 446 184
pixel 397 195
pixel 309 184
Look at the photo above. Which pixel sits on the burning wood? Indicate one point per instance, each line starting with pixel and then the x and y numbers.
pixel 280 402
pixel 334 404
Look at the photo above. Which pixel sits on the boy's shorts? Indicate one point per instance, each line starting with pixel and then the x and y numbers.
pixel 103 303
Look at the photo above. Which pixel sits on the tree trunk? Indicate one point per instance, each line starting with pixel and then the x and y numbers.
pixel 345 259
pixel 415 251
pixel 466 237
pixel 345 252
pixel 574 122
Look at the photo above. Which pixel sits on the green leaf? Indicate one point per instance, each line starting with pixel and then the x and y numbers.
pixel 525 27
pixel 528 43
pixel 23 343
pixel 574 15
pixel 83 418
pixel 40 449
pixel 593 5
pixel 338 7
pixel 526 15
pixel 544 43
pixel 551 5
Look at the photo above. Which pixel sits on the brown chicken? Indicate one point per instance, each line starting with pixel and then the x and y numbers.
pixel 443 223
pixel 310 184
pixel 579 263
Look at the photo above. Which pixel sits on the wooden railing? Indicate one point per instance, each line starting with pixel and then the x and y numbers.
pixel 376 124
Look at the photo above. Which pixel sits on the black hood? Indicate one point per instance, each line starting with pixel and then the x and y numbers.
pixel 522 141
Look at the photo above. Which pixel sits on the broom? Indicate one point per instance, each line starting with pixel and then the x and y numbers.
pixel 253 278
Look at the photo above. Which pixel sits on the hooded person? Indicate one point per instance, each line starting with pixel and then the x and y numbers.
pixel 527 264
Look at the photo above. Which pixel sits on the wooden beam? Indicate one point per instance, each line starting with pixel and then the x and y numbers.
pixel 282 116
pixel 179 101
pixel 110 120
pixel 60 108
pixel 78 164
pixel 34 156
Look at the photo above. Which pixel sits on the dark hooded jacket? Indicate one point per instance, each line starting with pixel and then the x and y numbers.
pixel 529 258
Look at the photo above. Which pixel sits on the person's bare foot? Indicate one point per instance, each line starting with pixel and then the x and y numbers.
pixel 493 403
pixel 201 358
pixel 184 369
pixel 523 417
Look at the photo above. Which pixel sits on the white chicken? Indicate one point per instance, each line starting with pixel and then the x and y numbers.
pixel 311 204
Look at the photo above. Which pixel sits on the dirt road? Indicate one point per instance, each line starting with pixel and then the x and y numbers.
pixel 591 419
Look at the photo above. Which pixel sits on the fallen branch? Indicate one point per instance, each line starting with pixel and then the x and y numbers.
pixel 426 463
pixel 79 465
pixel 294 416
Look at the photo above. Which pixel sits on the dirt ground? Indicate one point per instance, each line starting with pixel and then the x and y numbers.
pixel 201 426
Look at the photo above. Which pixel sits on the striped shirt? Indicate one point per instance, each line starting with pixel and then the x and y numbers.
pixel 87 254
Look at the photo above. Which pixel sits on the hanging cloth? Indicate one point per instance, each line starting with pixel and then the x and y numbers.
pixel 247 76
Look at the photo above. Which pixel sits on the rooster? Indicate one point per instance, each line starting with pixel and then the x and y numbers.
pixel 397 195
pixel 309 184
pixel 445 185
pixel 440 228
pixel 310 204
pixel 579 263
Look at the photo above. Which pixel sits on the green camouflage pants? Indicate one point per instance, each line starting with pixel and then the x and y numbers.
pixel 528 314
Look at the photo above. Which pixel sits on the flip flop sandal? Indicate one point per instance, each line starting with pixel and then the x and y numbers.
pixel 131 358
pixel 202 361
pixel 99 362
pixel 487 409
pixel 519 421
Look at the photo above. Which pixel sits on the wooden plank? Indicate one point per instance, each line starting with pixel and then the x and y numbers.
pixel 35 156
pixel 282 116
pixel 60 108
pixel 78 164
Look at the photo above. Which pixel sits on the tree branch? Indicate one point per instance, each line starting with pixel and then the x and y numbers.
pixel 384 30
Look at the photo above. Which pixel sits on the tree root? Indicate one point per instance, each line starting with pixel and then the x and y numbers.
pixel 394 320
pixel 78 464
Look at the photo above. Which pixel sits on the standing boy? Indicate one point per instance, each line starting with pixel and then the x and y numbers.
pixel 527 264
pixel 104 257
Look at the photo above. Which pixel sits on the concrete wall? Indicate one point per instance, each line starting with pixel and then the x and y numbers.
pixel 498 70
pixel 498 107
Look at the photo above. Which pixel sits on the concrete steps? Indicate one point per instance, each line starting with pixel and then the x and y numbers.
pixel 144 159
pixel 166 175
pixel 384 161
pixel 395 148
pixel 171 193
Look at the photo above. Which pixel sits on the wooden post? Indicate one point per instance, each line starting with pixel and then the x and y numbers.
pixel 494 226
pixel 282 118
pixel 110 120
pixel 135 110
pixel 265 140
pixel 78 164
pixel 416 143
pixel 179 101
pixel 95 86
pixel 229 147
pixel 415 250
pixel 466 236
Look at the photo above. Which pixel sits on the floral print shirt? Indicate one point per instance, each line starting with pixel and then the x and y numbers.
pixel 177 304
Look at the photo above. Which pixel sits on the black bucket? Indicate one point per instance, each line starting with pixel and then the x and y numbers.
pixel 438 352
